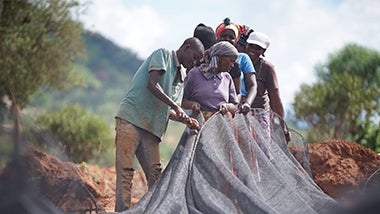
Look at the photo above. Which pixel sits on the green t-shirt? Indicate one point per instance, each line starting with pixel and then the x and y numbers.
pixel 139 106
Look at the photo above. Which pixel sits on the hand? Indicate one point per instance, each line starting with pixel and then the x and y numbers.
pixel 192 123
pixel 196 107
pixel 245 108
pixel 223 108
pixel 288 137
pixel 181 116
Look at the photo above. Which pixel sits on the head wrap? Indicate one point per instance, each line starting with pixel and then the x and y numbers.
pixel 222 48
pixel 206 34
pixel 227 24
pixel 245 31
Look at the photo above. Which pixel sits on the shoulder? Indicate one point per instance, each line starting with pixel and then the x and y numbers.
pixel 245 63
pixel 193 73
pixel 267 64
pixel 243 56
pixel 163 52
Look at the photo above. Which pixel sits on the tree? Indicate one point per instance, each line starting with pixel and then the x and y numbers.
pixel 346 93
pixel 39 41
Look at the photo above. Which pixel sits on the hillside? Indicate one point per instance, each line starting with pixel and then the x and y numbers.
pixel 106 71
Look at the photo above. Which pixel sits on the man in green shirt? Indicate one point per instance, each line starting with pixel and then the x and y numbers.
pixel 144 113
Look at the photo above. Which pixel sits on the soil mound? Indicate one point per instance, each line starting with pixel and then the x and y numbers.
pixel 341 168
pixel 73 188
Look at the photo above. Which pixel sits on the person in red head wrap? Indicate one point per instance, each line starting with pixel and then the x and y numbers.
pixel 243 72
pixel 227 24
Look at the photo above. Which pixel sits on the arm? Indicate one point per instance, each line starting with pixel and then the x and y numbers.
pixel 272 86
pixel 251 85
pixel 194 106
pixel 250 82
pixel 155 88
pixel 275 102
pixel 192 123
pixel 276 106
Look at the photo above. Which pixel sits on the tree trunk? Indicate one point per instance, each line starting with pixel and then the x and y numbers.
pixel 338 129
pixel 16 130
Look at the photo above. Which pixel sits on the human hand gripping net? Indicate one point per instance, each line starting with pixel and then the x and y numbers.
pixel 192 123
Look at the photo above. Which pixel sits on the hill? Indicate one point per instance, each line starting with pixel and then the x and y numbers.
pixel 106 72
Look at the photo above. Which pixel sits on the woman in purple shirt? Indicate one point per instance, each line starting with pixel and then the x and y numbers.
pixel 210 88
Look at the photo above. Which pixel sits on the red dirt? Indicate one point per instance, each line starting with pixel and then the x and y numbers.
pixel 340 168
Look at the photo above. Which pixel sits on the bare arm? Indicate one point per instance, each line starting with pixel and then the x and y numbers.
pixel 251 86
pixel 276 106
pixel 275 102
pixel 155 88
pixel 194 106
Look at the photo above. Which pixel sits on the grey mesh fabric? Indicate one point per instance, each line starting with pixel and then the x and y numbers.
pixel 233 166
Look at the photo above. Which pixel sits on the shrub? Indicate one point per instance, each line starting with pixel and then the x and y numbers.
pixel 83 135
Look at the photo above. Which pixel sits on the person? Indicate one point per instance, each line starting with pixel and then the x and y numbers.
pixel 206 34
pixel 230 31
pixel 209 88
pixel 242 41
pixel 268 92
pixel 143 114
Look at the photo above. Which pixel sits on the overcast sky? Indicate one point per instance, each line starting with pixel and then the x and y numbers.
pixel 302 32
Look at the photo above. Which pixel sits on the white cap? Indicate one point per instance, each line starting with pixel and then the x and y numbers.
pixel 259 39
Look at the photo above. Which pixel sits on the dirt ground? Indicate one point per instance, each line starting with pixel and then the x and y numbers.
pixel 340 168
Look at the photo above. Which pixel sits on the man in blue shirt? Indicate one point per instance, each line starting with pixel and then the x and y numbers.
pixel 143 115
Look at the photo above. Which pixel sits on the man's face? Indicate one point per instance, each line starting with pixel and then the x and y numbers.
pixel 254 51
pixel 227 35
pixel 192 55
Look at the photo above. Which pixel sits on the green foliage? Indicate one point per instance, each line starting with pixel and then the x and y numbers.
pixel 39 41
pixel 83 135
pixel 368 135
pixel 354 60
pixel 346 94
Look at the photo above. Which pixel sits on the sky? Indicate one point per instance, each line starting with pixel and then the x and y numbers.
pixel 303 33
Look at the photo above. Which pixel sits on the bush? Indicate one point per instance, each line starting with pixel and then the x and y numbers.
pixel 368 135
pixel 83 135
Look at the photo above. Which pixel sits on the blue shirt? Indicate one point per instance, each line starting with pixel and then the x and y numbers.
pixel 246 66
pixel 139 106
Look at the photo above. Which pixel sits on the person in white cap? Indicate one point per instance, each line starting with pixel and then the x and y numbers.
pixel 268 92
